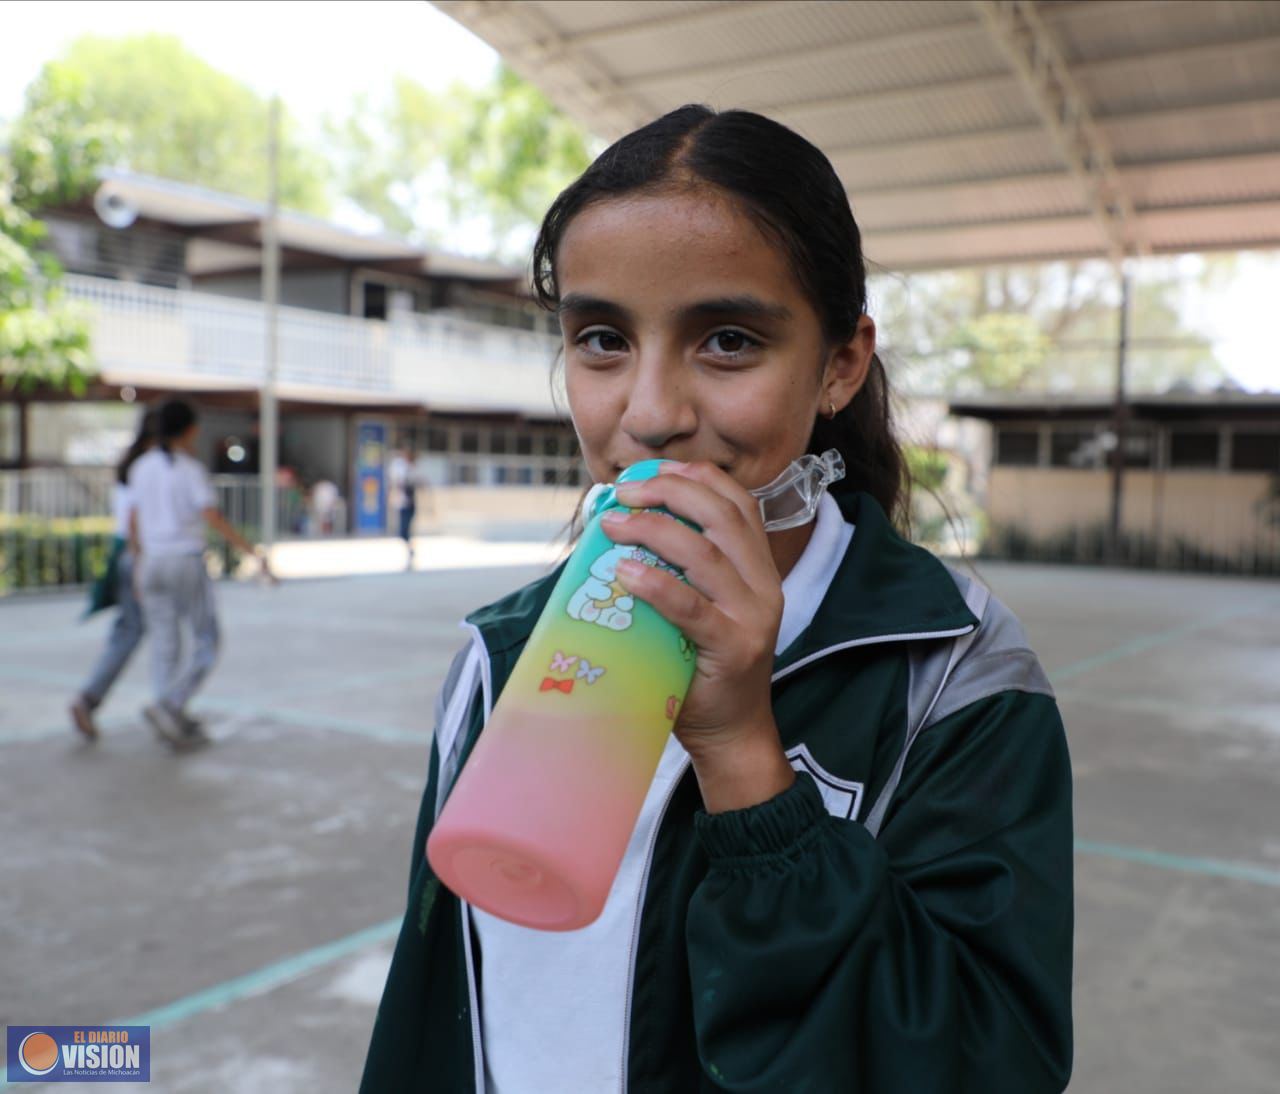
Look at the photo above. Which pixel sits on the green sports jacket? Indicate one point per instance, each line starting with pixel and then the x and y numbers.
pixel 899 921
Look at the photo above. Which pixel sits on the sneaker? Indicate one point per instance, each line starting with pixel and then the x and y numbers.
pixel 171 728
pixel 82 718
pixel 193 731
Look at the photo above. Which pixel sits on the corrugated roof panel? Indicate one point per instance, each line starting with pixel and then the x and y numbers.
pixel 1222 227
pixel 1100 30
pixel 572 17
pixel 1059 237
pixel 1208 74
pixel 969 203
pixel 1205 181
pixel 949 160
pixel 925 119
pixel 1177 135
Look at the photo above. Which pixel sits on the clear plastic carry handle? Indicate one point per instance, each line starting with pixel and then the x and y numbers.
pixel 788 502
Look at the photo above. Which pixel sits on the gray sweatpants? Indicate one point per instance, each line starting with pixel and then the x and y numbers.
pixel 176 590
pixel 123 639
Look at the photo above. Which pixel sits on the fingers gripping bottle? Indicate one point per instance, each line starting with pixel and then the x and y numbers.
pixel 535 828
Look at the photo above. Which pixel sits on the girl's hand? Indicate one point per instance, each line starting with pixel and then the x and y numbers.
pixel 730 609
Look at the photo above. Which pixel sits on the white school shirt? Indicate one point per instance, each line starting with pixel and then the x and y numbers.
pixel 121 507
pixel 553 1004
pixel 170 495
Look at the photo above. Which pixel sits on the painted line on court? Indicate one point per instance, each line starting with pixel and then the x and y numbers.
pixel 258 982
pixel 1146 642
pixel 265 979
pixel 1205 867
pixel 286 971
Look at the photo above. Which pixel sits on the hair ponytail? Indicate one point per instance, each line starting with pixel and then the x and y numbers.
pixel 864 436
pixel 148 429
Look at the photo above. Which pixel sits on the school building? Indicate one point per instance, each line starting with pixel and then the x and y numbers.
pixel 1200 487
pixel 382 343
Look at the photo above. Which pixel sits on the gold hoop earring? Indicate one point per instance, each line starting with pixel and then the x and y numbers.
pixel 832 405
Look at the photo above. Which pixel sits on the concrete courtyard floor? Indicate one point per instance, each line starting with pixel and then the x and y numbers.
pixel 242 900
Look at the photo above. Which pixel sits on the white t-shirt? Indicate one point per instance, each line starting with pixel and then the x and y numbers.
pixel 170 495
pixel 121 507
pixel 553 1005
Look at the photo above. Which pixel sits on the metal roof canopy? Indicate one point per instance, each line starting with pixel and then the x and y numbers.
pixel 965 133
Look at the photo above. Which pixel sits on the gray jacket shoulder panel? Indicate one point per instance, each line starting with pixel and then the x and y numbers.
pixel 947 675
pixel 997 658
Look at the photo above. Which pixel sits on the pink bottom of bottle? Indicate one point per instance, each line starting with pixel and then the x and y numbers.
pixel 541 816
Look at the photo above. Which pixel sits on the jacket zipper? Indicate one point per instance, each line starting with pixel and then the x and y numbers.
pixel 653 839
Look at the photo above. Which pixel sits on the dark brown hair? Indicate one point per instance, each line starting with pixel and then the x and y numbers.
pixel 792 192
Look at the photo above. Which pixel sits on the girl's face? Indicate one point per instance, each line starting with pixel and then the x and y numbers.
pixel 687 336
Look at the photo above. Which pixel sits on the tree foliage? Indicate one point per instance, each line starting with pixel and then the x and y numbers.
pixel 498 153
pixel 43 340
pixel 149 103
pixel 1049 328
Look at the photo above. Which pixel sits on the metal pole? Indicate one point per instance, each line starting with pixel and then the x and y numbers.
pixel 1119 420
pixel 267 415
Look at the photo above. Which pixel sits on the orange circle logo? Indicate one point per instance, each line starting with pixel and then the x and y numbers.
pixel 38 1053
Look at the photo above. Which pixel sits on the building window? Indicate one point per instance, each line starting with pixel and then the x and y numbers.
pixel 375 300
pixel 1255 452
pixel 437 439
pixel 1138 449
pixel 550 445
pixel 1193 448
pixel 469 441
pixel 1017 447
pixel 498 442
pixel 1074 448
pixel 524 444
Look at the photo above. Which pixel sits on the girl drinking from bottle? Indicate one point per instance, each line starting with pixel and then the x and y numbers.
pixel 852 871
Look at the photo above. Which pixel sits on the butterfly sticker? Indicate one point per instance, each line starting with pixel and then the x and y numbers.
pixel 561 663
pixel 589 673
pixel 548 684
pixel 673 707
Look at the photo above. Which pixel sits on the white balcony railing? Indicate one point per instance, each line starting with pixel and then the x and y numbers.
pixel 154 336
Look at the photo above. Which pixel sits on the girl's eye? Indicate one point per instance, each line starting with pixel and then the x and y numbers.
pixel 601 342
pixel 731 343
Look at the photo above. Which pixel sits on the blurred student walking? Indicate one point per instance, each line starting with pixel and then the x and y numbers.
pixel 173 502
pixel 116 586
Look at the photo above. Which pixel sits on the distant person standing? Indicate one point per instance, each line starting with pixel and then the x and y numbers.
pixel 116 586
pixel 403 476
pixel 173 502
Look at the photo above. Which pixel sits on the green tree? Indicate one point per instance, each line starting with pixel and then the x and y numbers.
pixel 498 153
pixel 149 103
pixel 43 340
pixel 1051 327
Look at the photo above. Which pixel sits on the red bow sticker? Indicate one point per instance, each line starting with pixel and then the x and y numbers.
pixel 549 684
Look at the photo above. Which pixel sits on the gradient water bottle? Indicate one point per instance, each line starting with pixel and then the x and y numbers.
pixel 536 826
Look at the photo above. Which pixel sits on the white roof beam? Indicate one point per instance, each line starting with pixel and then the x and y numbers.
pixel 1040 64
pixel 951 141
pixel 1266 164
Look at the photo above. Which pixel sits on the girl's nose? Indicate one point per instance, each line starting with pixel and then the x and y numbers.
pixel 659 409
